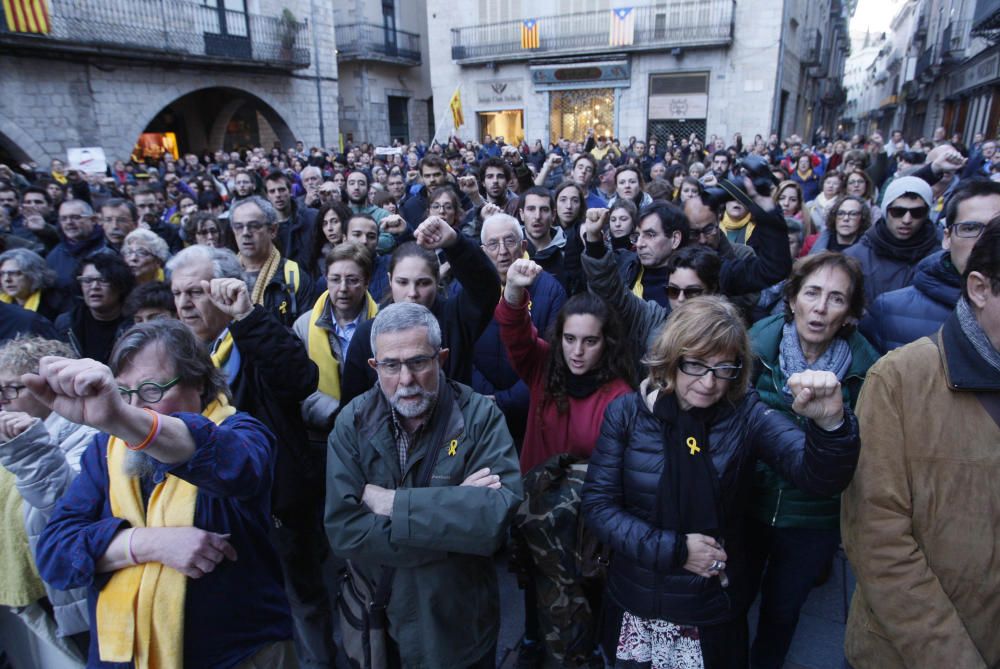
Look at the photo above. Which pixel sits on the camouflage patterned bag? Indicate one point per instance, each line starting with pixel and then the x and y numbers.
pixel 564 559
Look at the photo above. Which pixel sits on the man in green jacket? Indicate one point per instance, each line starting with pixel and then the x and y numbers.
pixel 443 610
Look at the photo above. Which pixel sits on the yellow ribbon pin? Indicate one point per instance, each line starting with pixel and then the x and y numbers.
pixel 453 447
pixel 693 445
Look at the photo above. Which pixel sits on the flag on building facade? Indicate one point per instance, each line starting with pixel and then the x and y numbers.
pixel 27 16
pixel 529 34
pixel 456 109
pixel 622 27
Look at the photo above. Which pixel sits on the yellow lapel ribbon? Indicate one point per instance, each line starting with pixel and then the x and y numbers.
pixel 160 275
pixel 221 353
pixel 140 612
pixel 31 304
pixel 732 225
pixel 320 350
pixel 637 286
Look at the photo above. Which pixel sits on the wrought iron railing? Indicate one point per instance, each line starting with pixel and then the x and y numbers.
pixel 368 41
pixel 955 39
pixel 172 27
pixel 678 23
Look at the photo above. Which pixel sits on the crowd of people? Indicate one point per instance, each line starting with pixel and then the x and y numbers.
pixel 664 379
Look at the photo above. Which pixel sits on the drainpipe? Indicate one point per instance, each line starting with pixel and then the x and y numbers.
pixel 319 90
pixel 776 109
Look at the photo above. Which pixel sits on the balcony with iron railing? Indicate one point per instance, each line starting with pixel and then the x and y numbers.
pixel 955 41
pixel 925 64
pixel 371 42
pixel 674 24
pixel 169 30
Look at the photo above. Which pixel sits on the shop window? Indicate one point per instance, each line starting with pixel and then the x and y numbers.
pixel 572 113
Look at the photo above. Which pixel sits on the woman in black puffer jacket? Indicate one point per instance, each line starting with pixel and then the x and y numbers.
pixel 670 479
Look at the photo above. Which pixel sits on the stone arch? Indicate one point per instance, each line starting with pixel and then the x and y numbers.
pixel 20 145
pixel 206 123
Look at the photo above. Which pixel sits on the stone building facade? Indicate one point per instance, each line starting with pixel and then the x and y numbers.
pixel 255 71
pixel 670 66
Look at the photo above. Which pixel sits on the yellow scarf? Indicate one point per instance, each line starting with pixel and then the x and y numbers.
pixel 31 304
pixel 732 225
pixel 222 351
pixel 140 612
pixel 266 274
pixel 20 584
pixel 637 287
pixel 805 176
pixel 320 350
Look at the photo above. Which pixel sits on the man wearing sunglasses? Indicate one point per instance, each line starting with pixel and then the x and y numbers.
pixel 890 250
pixel 901 316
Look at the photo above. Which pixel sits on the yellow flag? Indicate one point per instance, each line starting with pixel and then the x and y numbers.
pixel 456 109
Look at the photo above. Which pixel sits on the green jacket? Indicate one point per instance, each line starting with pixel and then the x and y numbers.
pixel 776 501
pixel 444 608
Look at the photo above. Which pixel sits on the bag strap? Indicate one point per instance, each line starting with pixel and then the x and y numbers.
pixel 446 403
pixel 990 401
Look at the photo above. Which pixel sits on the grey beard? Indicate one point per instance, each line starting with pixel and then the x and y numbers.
pixel 426 403
pixel 138 465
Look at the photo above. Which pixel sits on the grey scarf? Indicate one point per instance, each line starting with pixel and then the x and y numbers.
pixel 836 359
pixel 976 335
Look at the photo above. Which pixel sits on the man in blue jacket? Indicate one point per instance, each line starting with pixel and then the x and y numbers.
pixel 901 316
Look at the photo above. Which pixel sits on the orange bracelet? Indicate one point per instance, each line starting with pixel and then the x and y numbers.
pixel 154 432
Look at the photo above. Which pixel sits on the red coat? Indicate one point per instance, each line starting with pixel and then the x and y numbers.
pixel 550 432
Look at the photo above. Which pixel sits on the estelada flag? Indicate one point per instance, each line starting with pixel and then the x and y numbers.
pixel 622 27
pixel 529 34
pixel 456 109
pixel 27 16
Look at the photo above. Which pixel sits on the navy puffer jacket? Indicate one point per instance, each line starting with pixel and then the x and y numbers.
pixel 902 316
pixel 621 493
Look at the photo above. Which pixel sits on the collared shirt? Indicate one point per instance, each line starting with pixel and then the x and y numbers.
pixel 346 333
pixel 404 440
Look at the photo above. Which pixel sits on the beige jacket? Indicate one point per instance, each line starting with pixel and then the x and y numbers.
pixel 921 520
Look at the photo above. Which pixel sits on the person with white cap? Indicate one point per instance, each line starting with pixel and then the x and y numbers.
pixel 892 248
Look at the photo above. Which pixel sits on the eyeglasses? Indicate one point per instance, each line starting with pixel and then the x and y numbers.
pixel 509 243
pixel 17 274
pixel 707 231
pixel 11 392
pixel 90 280
pixel 349 281
pixel 673 292
pixel 848 214
pixel 150 392
pixel 442 206
pixel 915 212
pixel 136 253
pixel 722 372
pixel 964 229
pixel 857 182
pixel 252 226
pixel 72 218
pixel 416 365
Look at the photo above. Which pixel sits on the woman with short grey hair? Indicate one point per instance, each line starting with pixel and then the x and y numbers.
pixel 27 281
pixel 170 518
pixel 146 254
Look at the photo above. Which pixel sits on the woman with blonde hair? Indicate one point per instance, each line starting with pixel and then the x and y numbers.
pixel 671 474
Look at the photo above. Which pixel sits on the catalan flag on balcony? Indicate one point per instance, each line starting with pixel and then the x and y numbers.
pixel 456 109
pixel 529 34
pixel 27 16
pixel 622 27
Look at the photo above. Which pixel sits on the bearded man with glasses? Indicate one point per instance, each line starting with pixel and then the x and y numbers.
pixel 422 479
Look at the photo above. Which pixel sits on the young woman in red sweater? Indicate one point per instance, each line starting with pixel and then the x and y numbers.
pixel 572 377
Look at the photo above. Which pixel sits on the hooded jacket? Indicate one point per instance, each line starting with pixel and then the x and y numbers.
pixel 885 263
pixel 65 257
pixel 898 317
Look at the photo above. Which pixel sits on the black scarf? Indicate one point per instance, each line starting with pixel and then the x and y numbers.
pixel 688 499
pixel 624 242
pixel 909 251
pixel 579 386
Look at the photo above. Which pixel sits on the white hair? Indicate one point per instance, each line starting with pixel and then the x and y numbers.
pixel 500 219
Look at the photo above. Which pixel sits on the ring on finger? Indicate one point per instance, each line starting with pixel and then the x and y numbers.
pixel 715 566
